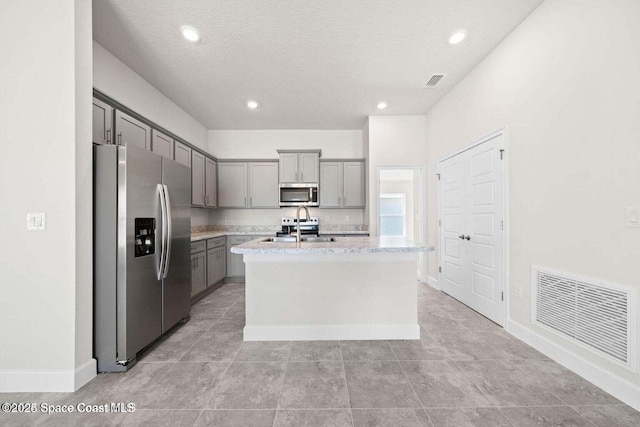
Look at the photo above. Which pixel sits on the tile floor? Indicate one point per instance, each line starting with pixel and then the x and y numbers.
pixel 465 371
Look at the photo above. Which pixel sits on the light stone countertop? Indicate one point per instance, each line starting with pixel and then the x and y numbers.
pixel 342 245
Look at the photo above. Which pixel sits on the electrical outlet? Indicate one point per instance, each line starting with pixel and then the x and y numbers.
pixel 517 290
pixel 36 221
pixel 632 217
pixel 347 218
pixel 327 218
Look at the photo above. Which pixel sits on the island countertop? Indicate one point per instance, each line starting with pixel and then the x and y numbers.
pixel 342 245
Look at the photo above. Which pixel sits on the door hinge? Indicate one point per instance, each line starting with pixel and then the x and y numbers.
pixel 439 223
pixel 502 296
pixel 438 175
pixel 439 269
pixel 501 225
pixel 501 153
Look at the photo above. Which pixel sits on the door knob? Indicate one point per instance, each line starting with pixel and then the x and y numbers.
pixel 468 237
pixel 461 236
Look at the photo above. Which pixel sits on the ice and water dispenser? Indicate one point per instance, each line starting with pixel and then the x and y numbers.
pixel 145 236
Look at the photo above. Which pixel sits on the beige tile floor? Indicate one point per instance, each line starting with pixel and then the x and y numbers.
pixel 465 371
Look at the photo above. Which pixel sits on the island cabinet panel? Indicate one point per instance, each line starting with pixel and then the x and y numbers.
pixel 102 122
pixel 182 154
pixel 131 131
pixel 210 187
pixel 353 185
pixel 162 144
pixel 198 273
pixel 197 179
pixel 232 184
pixel 263 185
pixel 342 184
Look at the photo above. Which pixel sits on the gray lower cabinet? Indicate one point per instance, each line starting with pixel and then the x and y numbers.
pixel 102 122
pixel 198 269
pixel 130 131
pixel 235 263
pixel 216 260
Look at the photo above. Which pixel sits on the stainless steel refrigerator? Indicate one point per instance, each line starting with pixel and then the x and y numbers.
pixel 142 275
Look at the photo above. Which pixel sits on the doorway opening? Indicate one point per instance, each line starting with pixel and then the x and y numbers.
pixel 402 206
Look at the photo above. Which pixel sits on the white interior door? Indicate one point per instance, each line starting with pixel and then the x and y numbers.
pixel 471 234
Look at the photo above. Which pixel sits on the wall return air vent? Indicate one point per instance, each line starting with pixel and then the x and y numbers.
pixel 434 80
pixel 598 316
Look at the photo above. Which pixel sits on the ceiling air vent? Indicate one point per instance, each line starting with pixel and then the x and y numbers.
pixel 434 80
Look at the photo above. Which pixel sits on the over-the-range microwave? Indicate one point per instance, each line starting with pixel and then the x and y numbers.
pixel 299 195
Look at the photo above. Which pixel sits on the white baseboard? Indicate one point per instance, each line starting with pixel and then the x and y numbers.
pixel 59 380
pixel 433 282
pixel 615 385
pixel 331 332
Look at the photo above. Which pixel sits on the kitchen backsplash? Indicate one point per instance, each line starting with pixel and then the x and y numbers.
pixel 273 228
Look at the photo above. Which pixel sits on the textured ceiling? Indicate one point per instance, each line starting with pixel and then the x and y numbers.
pixel 311 64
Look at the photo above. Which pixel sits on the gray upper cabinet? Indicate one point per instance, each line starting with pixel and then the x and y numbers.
pixel 299 167
pixel 263 185
pixel 162 144
pixel 130 131
pixel 342 184
pixel 210 187
pixel 197 179
pixel 182 154
pixel 232 185
pixel 330 184
pixel 102 122
pixel 354 187
pixel 248 184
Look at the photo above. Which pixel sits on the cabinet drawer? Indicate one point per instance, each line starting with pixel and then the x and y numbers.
pixel 237 240
pixel 215 242
pixel 198 246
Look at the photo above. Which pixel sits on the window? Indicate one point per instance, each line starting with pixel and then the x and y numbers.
pixel 393 218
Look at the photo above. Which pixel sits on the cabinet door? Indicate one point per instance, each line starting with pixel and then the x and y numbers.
pixel 182 154
pixel 308 167
pixel 132 132
pixel 212 267
pixel 330 184
pixel 263 185
pixel 198 273
pixel 232 184
pixel 210 187
pixel 162 144
pixel 288 167
pixel 102 122
pixel 197 179
pixel 222 262
pixel 235 263
pixel 354 193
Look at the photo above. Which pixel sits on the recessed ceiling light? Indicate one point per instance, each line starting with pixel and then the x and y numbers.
pixel 457 36
pixel 252 104
pixel 190 33
pixel 382 105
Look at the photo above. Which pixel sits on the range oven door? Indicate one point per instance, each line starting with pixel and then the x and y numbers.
pixel 298 195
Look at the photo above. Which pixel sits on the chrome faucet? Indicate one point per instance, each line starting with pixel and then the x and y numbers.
pixel 298 220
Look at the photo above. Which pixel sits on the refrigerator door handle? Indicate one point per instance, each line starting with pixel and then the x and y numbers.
pixel 163 244
pixel 167 256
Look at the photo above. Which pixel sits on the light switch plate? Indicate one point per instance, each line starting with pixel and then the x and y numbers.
pixel 35 221
pixel 632 217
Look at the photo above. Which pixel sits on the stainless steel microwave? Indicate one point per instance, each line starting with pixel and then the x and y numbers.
pixel 299 195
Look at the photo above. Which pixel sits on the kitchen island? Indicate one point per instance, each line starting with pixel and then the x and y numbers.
pixel 353 288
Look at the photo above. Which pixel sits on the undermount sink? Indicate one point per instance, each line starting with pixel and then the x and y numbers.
pixel 293 239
